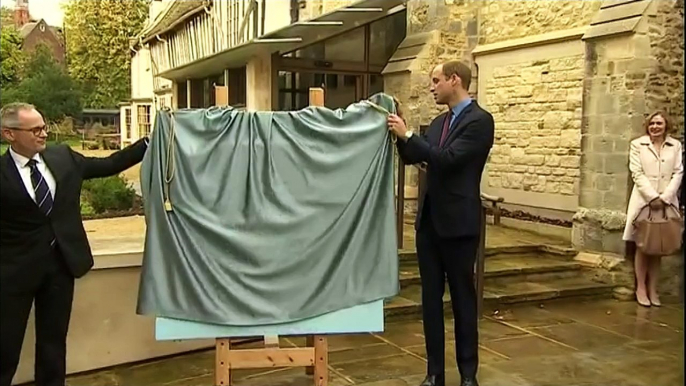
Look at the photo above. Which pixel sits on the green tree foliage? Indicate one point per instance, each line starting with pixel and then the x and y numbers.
pixel 97 35
pixel 11 56
pixel 6 17
pixel 46 85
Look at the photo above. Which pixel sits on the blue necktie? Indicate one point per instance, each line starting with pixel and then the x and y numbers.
pixel 40 187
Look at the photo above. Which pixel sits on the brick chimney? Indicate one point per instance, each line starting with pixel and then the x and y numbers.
pixel 21 13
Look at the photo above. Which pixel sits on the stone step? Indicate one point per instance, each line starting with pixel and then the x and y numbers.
pixel 411 254
pixel 524 292
pixel 407 305
pixel 507 268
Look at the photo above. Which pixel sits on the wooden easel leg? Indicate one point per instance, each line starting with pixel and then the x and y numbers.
pixel 222 370
pixel 309 370
pixel 321 361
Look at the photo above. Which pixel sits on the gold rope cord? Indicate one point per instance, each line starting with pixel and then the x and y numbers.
pixel 170 168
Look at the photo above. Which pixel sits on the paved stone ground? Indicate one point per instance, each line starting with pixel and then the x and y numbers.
pixel 562 344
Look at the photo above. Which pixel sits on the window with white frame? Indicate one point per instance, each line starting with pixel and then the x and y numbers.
pixel 127 122
pixel 143 120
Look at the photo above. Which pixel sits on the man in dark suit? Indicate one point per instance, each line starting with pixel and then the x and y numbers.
pixel 454 149
pixel 42 240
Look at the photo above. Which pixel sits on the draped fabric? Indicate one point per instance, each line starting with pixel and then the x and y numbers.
pixel 257 218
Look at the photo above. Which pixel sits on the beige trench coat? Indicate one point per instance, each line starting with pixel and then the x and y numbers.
pixel 654 176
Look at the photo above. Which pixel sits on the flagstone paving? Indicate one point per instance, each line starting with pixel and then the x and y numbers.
pixel 595 342
pixel 604 342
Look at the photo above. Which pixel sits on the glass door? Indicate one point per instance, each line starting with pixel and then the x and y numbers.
pixel 340 90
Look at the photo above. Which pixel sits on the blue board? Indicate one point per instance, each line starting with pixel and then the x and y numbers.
pixel 367 317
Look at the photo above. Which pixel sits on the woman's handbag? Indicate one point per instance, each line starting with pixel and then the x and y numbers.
pixel 658 231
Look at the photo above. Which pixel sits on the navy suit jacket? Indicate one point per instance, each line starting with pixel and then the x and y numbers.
pixel 26 233
pixel 453 176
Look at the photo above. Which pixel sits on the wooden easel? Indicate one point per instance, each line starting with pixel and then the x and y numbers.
pixel 314 357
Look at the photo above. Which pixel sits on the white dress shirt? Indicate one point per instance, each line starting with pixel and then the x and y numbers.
pixel 25 173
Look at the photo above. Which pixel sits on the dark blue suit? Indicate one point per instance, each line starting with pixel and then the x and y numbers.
pixel 32 269
pixel 448 224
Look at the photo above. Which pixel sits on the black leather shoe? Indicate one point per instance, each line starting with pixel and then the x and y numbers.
pixel 469 382
pixel 433 380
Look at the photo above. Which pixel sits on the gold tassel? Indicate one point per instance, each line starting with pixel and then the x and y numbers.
pixel 169 169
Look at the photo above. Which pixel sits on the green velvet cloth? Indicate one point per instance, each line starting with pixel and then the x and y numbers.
pixel 275 216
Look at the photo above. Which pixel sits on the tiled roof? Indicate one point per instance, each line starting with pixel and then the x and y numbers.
pixel 27 28
pixel 175 11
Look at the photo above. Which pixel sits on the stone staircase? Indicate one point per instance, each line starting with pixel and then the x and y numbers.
pixel 513 274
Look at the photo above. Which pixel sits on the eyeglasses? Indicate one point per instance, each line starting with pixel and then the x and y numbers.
pixel 35 130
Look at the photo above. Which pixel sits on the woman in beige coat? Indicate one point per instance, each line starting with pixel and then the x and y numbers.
pixel 656 168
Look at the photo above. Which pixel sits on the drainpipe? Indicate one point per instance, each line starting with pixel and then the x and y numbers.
pixel 264 16
pixel 295 11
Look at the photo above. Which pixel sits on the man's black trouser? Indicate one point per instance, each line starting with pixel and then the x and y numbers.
pixel 52 292
pixel 451 258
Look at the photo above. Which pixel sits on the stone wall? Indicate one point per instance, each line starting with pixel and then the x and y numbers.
pixel 498 20
pixel 457 25
pixel 453 34
pixel 665 82
pixel 612 116
pixel 544 113
pixel 505 20
pixel 627 77
pixel 537 109
pixel 563 124
pixel 463 24
pixel 622 274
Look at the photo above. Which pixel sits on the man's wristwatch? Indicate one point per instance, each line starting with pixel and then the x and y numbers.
pixel 408 134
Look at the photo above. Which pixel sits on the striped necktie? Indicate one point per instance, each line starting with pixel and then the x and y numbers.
pixel 40 187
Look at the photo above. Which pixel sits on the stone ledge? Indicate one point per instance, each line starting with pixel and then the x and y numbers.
pixel 617 17
pixel 411 51
pixel 608 261
pixel 531 41
pixel 609 220
pixel 620 11
pixel 617 27
pixel 563 233
pixel 614 269
pixel 114 260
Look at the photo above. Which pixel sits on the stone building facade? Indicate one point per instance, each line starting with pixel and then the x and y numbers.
pixel 569 84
